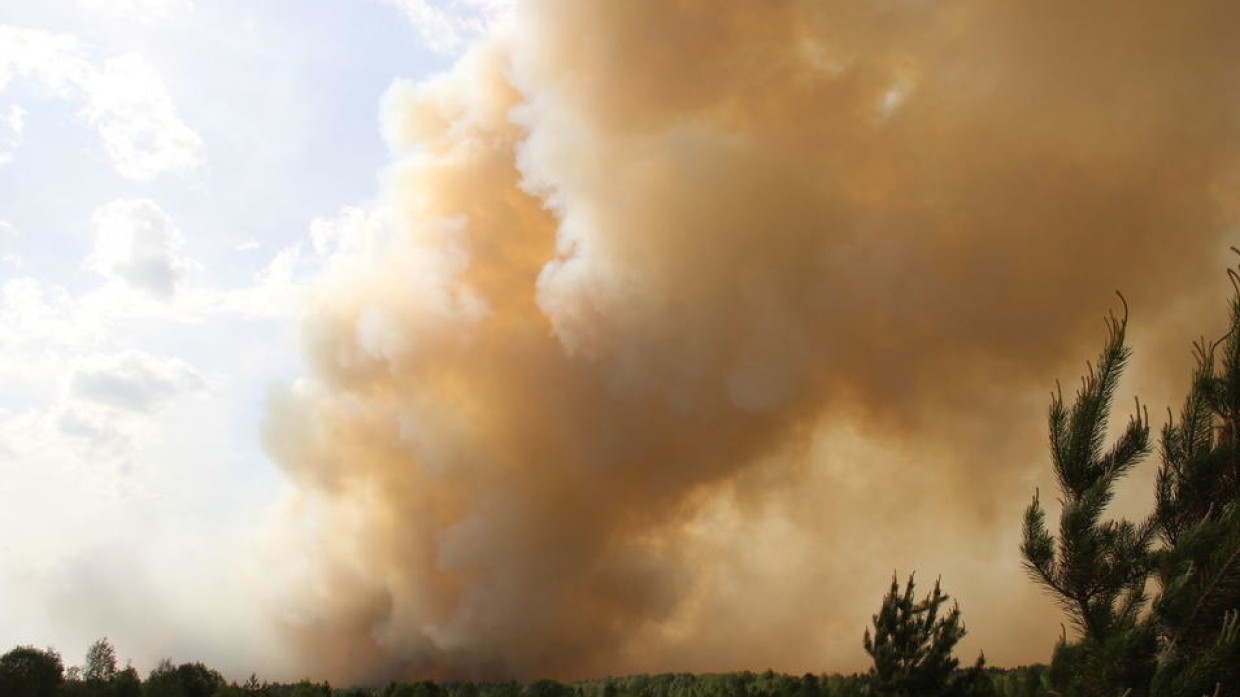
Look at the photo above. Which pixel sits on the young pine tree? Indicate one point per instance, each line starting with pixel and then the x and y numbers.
pixel 1095 568
pixel 912 647
pixel 1197 516
pixel 1183 643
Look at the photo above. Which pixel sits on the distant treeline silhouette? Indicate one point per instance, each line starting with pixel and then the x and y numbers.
pixel 31 672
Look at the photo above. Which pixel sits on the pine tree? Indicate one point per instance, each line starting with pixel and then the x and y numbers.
pixel 1095 568
pixel 1185 642
pixel 1197 515
pixel 912 646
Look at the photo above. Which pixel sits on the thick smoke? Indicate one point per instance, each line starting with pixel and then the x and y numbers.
pixel 692 320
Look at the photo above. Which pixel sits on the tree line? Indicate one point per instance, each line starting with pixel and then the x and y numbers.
pixel 30 672
pixel 1154 603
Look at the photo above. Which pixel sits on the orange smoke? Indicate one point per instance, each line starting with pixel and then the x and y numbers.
pixel 692 320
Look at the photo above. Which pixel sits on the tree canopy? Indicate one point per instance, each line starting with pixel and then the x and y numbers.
pixel 1177 636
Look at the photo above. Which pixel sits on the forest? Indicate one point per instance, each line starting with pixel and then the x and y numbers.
pixel 1154 604
pixel 30 672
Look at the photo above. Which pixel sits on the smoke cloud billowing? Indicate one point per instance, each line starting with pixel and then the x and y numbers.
pixel 690 321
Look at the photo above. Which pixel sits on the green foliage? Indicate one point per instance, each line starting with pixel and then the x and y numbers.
pixel 422 688
pixel 1024 681
pixel 185 680
pixel 1104 666
pixel 304 688
pixel 1197 515
pixel 29 672
pixel 197 680
pixel 100 663
pixel 766 684
pixel 547 688
pixel 1095 568
pixel 912 647
pixel 126 683
pixel 1183 642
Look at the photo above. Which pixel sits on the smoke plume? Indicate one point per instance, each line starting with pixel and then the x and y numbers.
pixel 687 322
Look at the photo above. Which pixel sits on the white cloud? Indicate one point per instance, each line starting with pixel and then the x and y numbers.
pixel 125 415
pixel 12 121
pixel 139 252
pixel 334 241
pixel 87 446
pixel 14 118
pixel 125 100
pixel 74 391
pixel 40 326
pixel 140 10
pixel 133 380
pixel 137 243
pixel 142 134
pixel 447 25
pixel 52 60
pixel 350 231
pixel 8 232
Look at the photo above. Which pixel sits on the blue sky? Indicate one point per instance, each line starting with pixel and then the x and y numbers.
pixel 162 166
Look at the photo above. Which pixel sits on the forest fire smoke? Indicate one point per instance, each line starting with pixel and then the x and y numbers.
pixel 689 321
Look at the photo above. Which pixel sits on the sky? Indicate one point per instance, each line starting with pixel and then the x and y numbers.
pixel 374 339
pixel 169 173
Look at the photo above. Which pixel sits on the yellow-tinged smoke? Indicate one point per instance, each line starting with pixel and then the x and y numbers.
pixel 692 319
